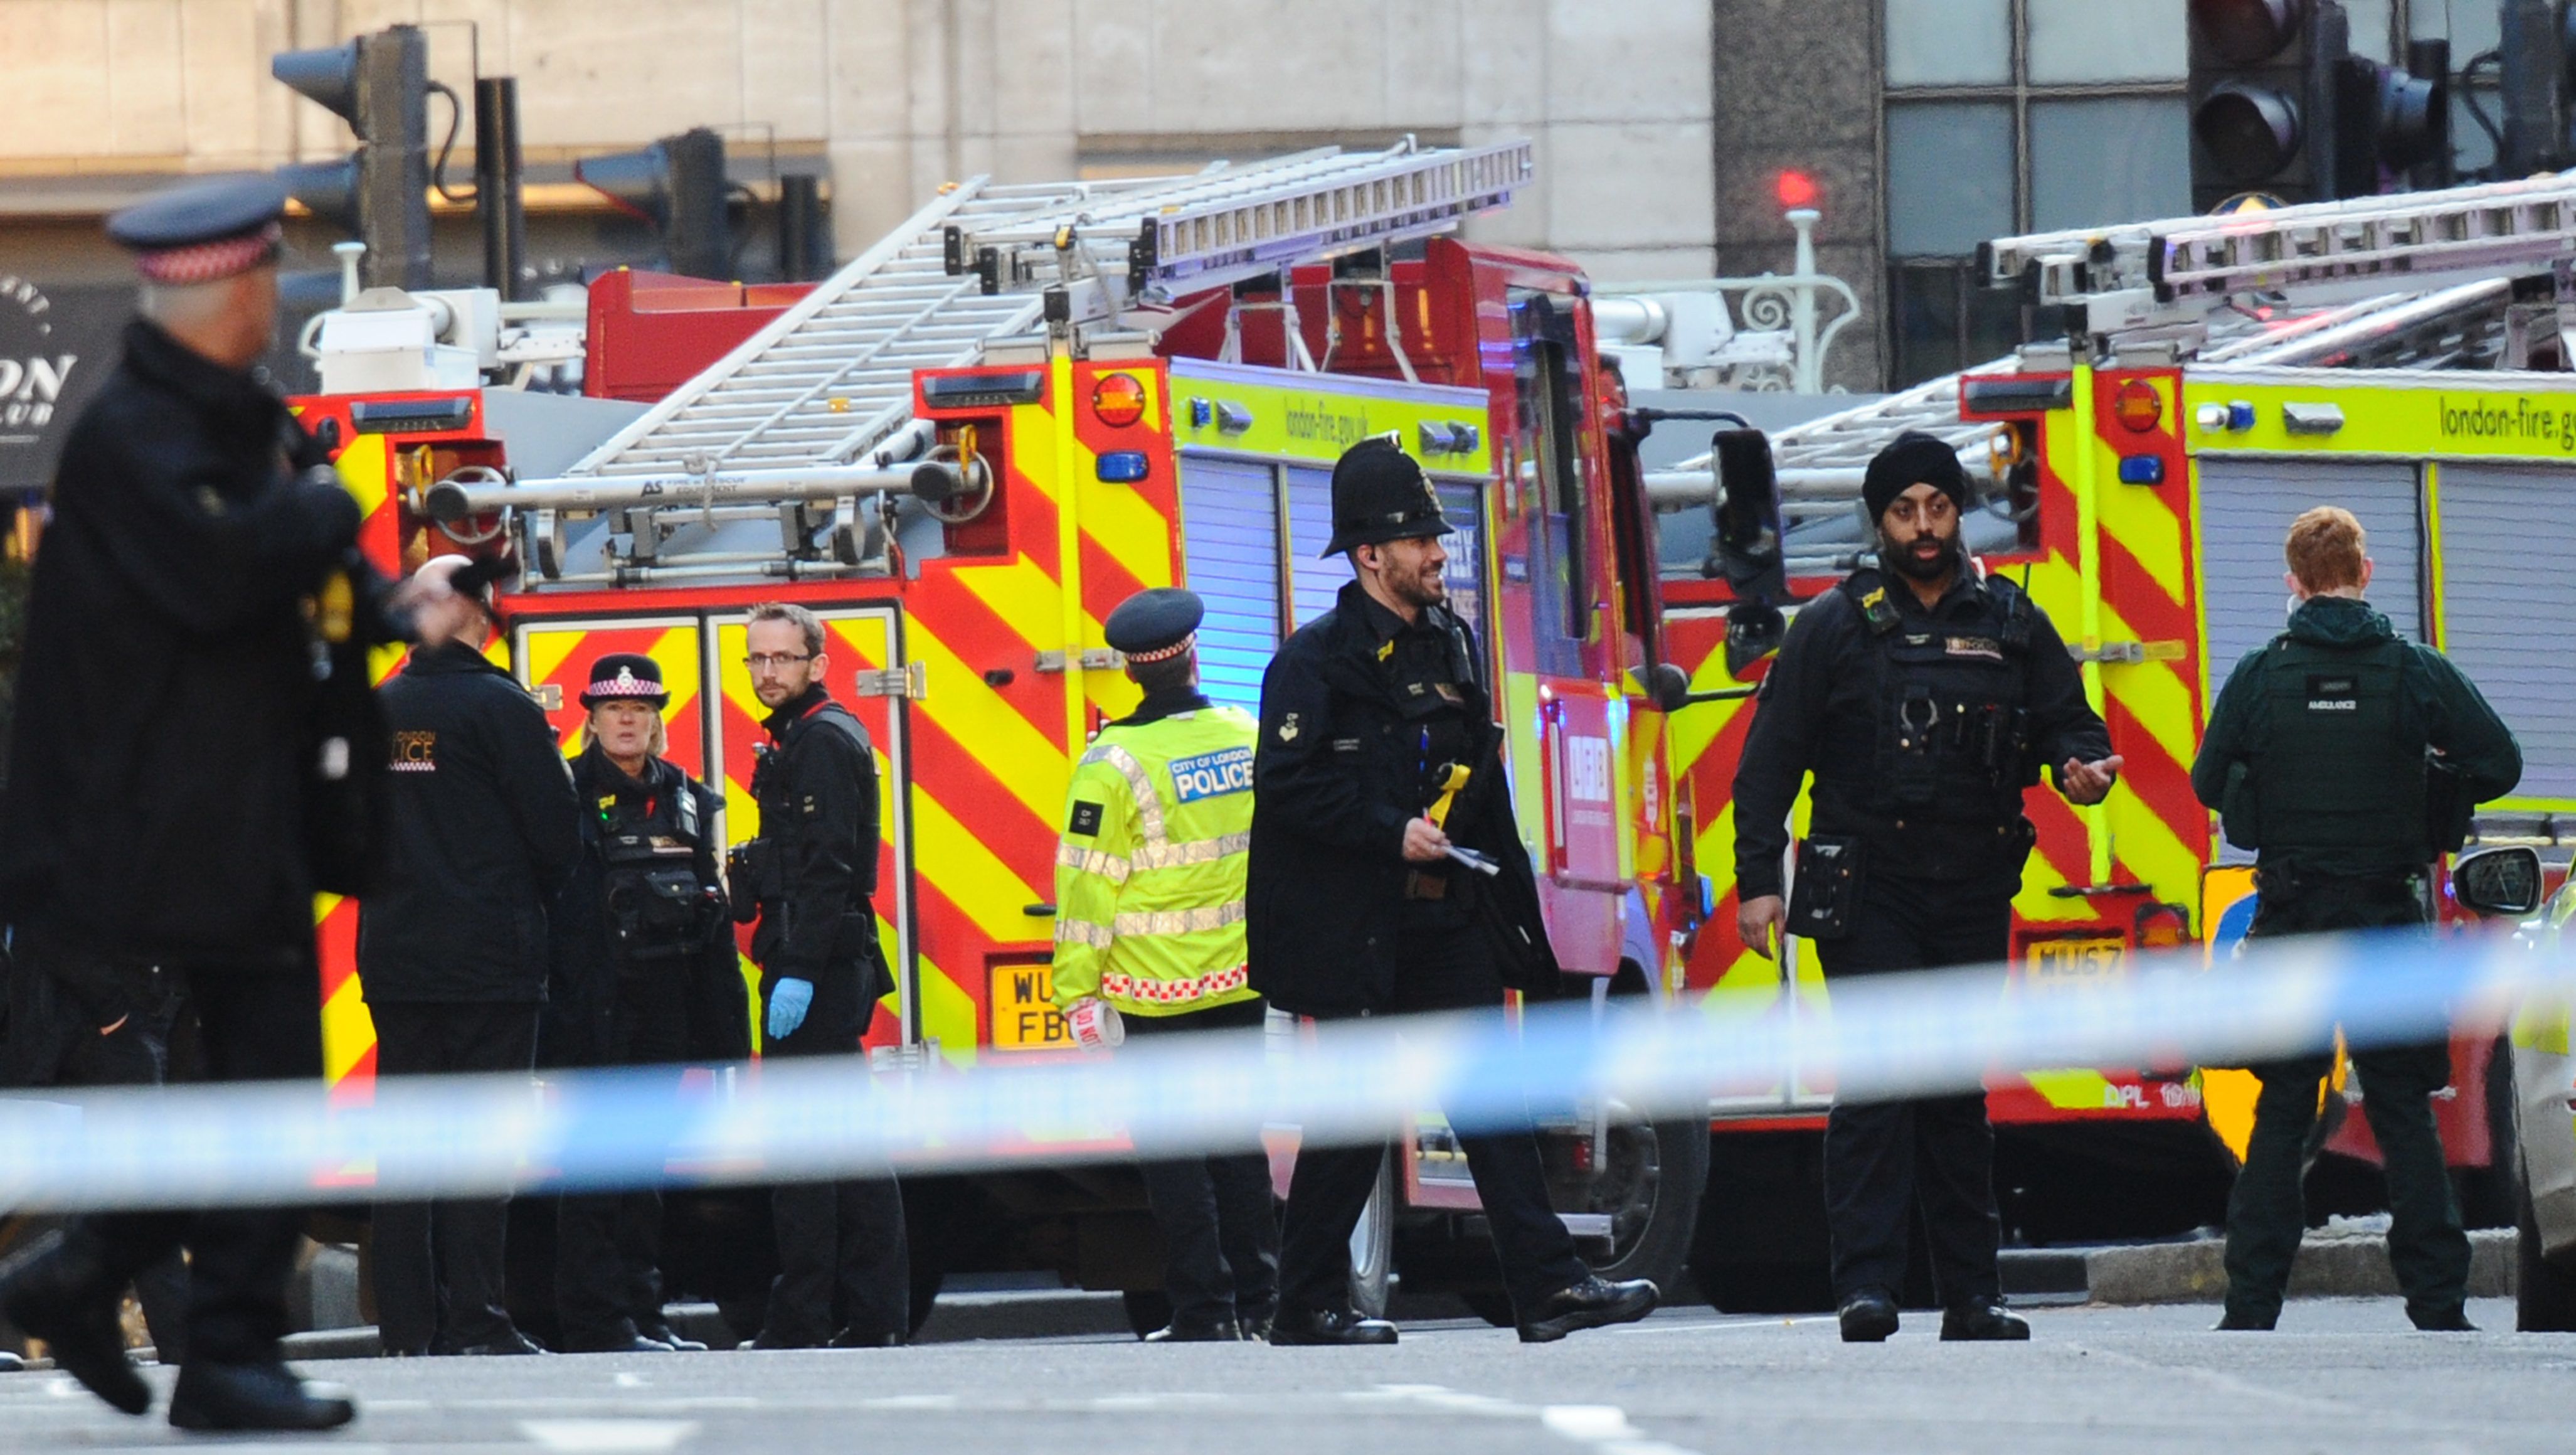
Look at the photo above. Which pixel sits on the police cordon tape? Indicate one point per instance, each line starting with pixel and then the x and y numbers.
pixel 1353 1081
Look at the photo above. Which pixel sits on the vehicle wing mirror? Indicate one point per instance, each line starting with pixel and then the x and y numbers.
pixel 1746 547
pixel 2499 881
pixel 1664 684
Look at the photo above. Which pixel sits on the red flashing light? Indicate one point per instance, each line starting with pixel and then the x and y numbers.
pixel 1796 189
pixel 1118 400
pixel 2138 406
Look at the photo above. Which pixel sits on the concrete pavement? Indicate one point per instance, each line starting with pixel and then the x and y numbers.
pixel 2344 1375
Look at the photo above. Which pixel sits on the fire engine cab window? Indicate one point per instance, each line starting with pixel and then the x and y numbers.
pixel 1550 483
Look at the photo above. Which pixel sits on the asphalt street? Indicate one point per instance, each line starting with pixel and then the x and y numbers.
pixel 2345 1376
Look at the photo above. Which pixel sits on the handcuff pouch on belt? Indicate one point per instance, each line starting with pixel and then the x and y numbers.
pixel 1825 895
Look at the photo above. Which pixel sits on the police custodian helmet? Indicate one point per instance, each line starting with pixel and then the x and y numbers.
pixel 1381 494
pixel 1153 625
pixel 625 676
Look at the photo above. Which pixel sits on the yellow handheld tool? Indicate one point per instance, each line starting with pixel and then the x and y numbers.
pixel 1453 779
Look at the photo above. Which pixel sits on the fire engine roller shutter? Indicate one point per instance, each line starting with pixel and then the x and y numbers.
pixel 2503 590
pixel 1230 550
pixel 2246 507
pixel 1314 582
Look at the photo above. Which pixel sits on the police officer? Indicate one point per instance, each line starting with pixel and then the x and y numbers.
pixel 844 1275
pixel 452 953
pixel 163 768
pixel 644 975
pixel 1149 924
pixel 1357 905
pixel 1923 696
pixel 2348 758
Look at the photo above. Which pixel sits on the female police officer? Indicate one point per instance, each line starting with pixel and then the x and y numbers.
pixel 644 975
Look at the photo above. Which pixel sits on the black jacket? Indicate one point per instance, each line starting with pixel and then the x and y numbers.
pixel 1820 711
pixel 582 997
pixel 158 781
pixel 483 835
pixel 817 790
pixel 1334 784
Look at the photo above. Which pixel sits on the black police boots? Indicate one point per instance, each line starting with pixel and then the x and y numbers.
pixel 1588 1305
pixel 264 1396
pixel 1983 1321
pixel 1328 1326
pixel 57 1290
pixel 1868 1316
pixel 1197 1331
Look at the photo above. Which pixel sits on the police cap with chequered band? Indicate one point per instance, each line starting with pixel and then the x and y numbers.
pixel 203 231
pixel 1381 494
pixel 1154 625
pixel 625 677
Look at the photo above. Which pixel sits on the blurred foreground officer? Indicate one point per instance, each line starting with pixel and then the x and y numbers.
pixel 164 765
pixel 644 975
pixel 1358 907
pixel 1149 925
pixel 2348 758
pixel 844 1278
pixel 1923 696
pixel 452 949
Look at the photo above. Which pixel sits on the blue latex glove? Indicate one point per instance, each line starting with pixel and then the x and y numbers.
pixel 788 1000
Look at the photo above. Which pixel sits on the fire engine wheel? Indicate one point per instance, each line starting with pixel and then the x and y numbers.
pixel 1373 1246
pixel 2544 1294
pixel 1649 1184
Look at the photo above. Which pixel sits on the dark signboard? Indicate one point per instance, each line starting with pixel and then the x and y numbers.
pixel 56 347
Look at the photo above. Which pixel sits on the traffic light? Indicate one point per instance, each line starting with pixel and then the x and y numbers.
pixel 678 185
pixel 2281 106
pixel 379 84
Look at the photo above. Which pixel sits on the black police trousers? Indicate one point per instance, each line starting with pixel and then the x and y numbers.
pixel 2267 1211
pixel 1442 971
pixel 608 1273
pixel 256 1023
pixel 1220 1232
pixel 1881 1158
pixel 843 1264
pixel 438 1265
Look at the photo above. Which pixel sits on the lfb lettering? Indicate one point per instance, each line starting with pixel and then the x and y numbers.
pixel 1587 769
pixel 1212 775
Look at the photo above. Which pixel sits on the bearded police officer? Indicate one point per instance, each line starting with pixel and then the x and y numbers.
pixel 810 879
pixel 1923 696
pixel 159 830
pixel 1149 923
pixel 2348 758
pixel 645 974
pixel 1357 903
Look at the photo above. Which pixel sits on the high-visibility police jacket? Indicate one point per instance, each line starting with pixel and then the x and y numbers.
pixel 1149 873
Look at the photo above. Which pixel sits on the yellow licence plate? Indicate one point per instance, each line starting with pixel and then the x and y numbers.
pixel 2065 964
pixel 1024 1013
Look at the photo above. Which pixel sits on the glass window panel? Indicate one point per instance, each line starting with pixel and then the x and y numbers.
pixel 1949 176
pixel 2469 141
pixel 1927 321
pixel 2108 40
pixel 2105 161
pixel 1949 42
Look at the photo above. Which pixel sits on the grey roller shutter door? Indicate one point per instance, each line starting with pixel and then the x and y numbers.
pixel 2246 507
pixel 2506 591
pixel 1314 580
pixel 1230 549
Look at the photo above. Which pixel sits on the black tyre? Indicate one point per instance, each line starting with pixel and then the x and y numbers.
pixel 1650 1185
pixel 1373 1245
pixel 2544 1294
pixel 1148 1309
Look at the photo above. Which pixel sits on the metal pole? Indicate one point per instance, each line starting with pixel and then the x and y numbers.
pixel 800 212
pixel 1802 302
pixel 497 178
